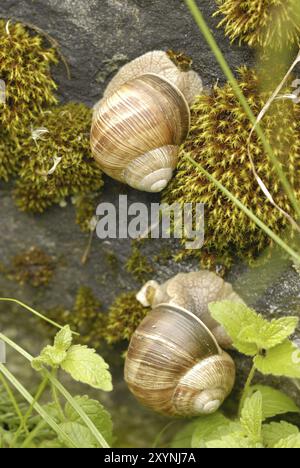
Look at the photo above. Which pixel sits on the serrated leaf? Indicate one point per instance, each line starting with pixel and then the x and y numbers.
pixel 63 339
pixel 291 442
pixel 96 412
pixel 50 357
pixel 252 417
pixel 79 434
pixel 85 366
pixel 283 360
pixel 53 356
pixel 235 317
pixel 206 426
pixel 274 432
pixel 274 401
pixel 266 335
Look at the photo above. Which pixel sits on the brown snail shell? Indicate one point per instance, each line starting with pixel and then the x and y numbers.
pixel 175 366
pixel 142 120
pixel 193 291
pixel 175 363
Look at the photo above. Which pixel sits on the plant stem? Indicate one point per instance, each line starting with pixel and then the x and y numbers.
pixel 199 19
pixel 89 423
pixel 38 395
pixel 32 435
pixel 98 436
pixel 247 388
pixel 14 402
pixel 246 210
pixel 38 408
pixel 56 398
pixel 34 312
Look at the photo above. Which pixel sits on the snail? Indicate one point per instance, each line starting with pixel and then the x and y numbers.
pixel 142 120
pixel 175 363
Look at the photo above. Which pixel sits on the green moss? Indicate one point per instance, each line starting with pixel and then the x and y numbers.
pixel 182 61
pixel 262 23
pixel 66 136
pixel 86 205
pixel 9 156
pixel 138 265
pixel 218 141
pixel 124 316
pixel 25 68
pixel 86 317
pixel 33 267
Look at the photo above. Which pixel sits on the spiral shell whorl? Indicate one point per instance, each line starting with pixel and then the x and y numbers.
pixel 175 366
pixel 140 126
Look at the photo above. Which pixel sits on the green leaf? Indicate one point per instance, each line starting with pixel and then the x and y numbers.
pixel 249 331
pixel 50 357
pixel 283 360
pixel 232 441
pixel 234 317
pixel 274 401
pixel 63 339
pixel 291 442
pixel 85 366
pixel 252 417
pixel 79 434
pixel 267 335
pixel 206 426
pixel 53 356
pixel 274 432
pixel 183 438
pixel 96 412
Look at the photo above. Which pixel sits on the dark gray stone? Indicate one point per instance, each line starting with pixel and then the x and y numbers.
pixel 96 38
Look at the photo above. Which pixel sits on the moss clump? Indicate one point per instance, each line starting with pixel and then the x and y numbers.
pixel 25 68
pixel 65 140
pixel 33 267
pixel 182 61
pixel 86 205
pixel 124 316
pixel 138 265
pixel 262 23
pixel 9 156
pixel 218 141
pixel 86 317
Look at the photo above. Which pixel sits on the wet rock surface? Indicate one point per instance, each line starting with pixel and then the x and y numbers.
pixel 96 37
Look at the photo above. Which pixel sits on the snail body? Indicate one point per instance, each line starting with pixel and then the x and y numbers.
pixel 142 120
pixel 175 364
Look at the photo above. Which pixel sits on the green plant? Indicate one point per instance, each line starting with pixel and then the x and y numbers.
pixel 267 23
pixel 138 264
pixel 9 155
pixel 81 423
pixel 267 342
pixel 25 68
pixel 124 316
pixel 219 143
pixel 56 162
pixel 33 267
pixel 85 317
